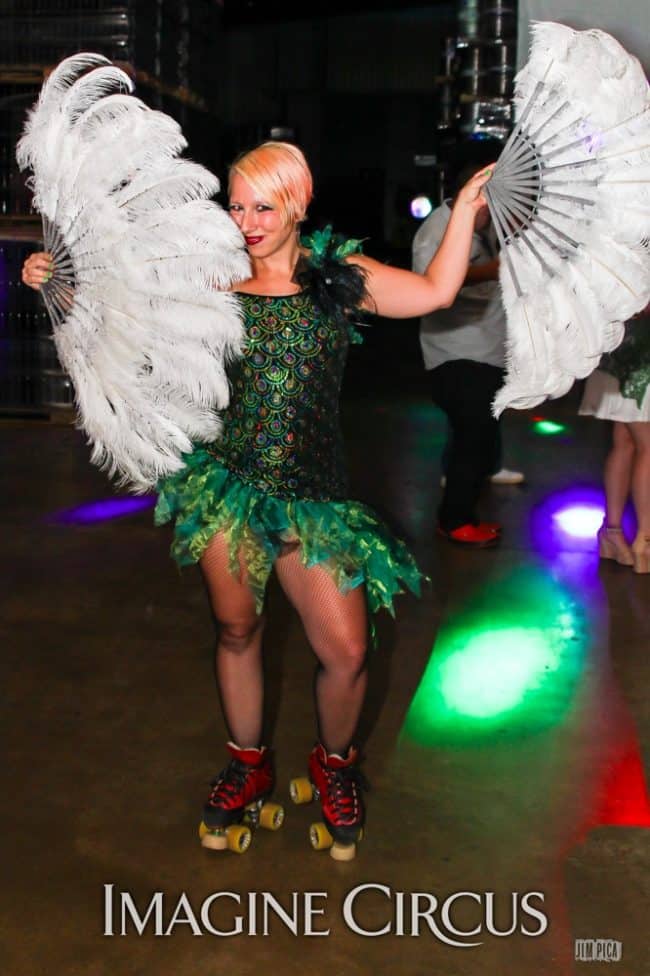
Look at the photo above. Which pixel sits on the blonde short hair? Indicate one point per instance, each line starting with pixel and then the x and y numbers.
pixel 279 173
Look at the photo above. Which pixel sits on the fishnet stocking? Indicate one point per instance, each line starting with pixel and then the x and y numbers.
pixel 239 644
pixel 336 626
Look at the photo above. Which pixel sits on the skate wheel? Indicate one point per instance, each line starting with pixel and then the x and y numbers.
pixel 301 790
pixel 320 837
pixel 238 838
pixel 343 852
pixel 213 840
pixel 271 816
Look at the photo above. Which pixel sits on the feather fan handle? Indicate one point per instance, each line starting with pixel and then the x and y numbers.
pixel 570 202
pixel 141 319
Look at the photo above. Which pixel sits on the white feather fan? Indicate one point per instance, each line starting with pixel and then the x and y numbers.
pixel 141 321
pixel 570 201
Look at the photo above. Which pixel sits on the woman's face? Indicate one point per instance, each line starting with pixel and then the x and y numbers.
pixel 260 221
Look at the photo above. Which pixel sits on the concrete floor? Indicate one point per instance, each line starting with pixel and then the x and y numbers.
pixel 114 732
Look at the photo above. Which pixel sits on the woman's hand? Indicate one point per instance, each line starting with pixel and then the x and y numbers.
pixel 37 269
pixel 403 294
pixel 471 195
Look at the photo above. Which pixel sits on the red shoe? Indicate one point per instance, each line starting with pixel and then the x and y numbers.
pixel 480 536
pixel 339 783
pixel 247 777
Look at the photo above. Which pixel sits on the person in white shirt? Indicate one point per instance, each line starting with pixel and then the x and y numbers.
pixel 463 348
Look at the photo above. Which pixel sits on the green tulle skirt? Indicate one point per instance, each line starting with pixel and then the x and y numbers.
pixel 344 537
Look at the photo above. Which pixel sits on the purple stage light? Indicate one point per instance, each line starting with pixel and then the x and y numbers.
pixel 103 510
pixel 568 520
pixel 579 521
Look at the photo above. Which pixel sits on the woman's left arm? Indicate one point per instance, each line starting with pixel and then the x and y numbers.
pixel 401 294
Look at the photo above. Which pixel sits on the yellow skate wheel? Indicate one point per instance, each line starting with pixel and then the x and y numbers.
pixel 213 840
pixel 343 852
pixel 320 837
pixel 271 816
pixel 238 838
pixel 301 790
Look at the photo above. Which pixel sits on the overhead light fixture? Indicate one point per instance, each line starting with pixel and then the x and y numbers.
pixel 421 207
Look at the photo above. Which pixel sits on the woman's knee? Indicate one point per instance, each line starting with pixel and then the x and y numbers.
pixel 622 439
pixel 237 636
pixel 345 652
pixel 639 434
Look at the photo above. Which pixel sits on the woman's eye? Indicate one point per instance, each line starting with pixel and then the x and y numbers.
pixel 263 206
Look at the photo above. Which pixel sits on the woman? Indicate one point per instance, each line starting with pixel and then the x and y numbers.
pixel 271 492
pixel 620 391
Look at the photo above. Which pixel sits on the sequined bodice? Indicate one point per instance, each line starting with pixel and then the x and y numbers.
pixel 281 431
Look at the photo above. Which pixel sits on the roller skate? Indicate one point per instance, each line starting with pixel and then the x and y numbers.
pixel 237 803
pixel 338 783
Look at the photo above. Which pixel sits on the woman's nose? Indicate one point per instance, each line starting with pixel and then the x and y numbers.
pixel 248 221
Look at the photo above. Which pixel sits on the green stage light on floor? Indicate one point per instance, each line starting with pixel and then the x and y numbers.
pixel 495 670
pixel 507 664
pixel 548 427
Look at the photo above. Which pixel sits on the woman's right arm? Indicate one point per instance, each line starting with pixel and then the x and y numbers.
pixel 37 269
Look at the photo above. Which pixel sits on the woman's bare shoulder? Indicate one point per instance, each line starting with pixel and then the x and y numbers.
pixel 267 288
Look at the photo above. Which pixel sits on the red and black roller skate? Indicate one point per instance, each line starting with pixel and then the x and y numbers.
pixel 338 783
pixel 237 802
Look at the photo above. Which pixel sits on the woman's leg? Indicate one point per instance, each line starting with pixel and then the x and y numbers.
pixel 618 474
pixel 640 436
pixel 239 644
pixel 336 626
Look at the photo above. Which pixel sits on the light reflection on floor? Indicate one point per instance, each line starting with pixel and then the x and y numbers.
pixel 568 519
pixel 103 510
pixel 508 662
pixel 518 709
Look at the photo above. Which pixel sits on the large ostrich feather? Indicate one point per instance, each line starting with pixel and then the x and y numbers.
pixel 570 201
pixel 141 318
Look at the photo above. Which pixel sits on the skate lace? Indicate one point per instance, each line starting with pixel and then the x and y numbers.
pixel 229 782
pixel 344 787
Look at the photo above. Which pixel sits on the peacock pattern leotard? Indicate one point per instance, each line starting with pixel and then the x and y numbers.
pixel 276 476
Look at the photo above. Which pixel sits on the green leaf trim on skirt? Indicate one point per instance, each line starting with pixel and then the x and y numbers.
pixel 345 537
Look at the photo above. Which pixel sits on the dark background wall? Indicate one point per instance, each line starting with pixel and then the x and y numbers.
pixel 360 93
pixel 357 89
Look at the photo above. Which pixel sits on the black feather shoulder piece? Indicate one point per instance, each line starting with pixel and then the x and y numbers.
pixel 334 286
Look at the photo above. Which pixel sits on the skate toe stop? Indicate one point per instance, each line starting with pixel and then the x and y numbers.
pixel 343 852
pixel 213 840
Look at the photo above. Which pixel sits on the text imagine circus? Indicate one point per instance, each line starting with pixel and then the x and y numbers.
pixel 260 913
